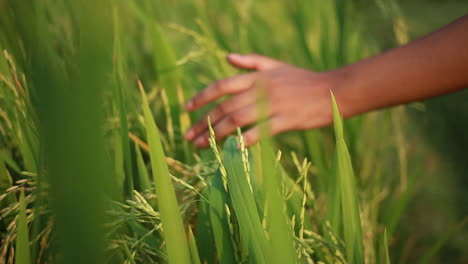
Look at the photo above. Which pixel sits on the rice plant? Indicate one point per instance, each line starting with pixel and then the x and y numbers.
pixel 94 168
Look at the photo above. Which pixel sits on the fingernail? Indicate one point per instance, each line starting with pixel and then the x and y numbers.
pixel 235 56
pixel 190 134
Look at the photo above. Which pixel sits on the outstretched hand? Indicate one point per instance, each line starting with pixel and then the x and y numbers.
pixel 298 99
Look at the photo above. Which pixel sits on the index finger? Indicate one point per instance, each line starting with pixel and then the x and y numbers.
pixel 221 88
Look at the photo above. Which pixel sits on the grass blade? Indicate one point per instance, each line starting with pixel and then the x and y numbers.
pixel 176 244
pixel 5 183
pixel 169 79
pixel 144 179
pixel 244 203
pixel 193 248
pixel 282 247
pixel 23 253
pixel 204 235
pixel 314 142
pixel 349 200
pixel 385 248
pixel 220 220
pixel 334 199
pixel 119 101
pixel 69 103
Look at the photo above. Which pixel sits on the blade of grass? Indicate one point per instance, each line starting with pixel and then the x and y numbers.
pixel 244 203
pixel 193 248
pixel 281 248
pixel 349 199
pixel 119 100
pixel 385 247
pixel 176 244
pixel 204 231
pixel 23 253
pixel 314 142
pixel 334 199
pixel 9 161
pixel 144 179
pixel 5 183
pixel 69 93
pixel 169 79
pixel 220 220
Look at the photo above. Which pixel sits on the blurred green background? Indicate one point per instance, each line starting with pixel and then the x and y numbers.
pixel 441 124
pixel 441 199
pixel 413 157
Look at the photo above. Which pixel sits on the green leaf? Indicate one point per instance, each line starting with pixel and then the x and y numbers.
pixel 5 182
pixel 169 79
pixel 349 200
pixel 144 179
pixel 23 253
pixel 314 142
pixel 204 234
pixel 176 244
pixel 193 248
pixel 334 199
pixel 243 201
pixel 280 234
pixel 70 91
pixel 220 220
pixel 119 100
pixel 385 247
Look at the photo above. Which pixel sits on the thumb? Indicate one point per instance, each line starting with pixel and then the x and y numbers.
pixel 253 62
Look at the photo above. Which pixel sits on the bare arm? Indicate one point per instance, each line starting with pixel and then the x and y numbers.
pixel 433 65
pixel 299 99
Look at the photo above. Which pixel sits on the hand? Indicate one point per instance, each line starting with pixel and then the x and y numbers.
pixel 298 100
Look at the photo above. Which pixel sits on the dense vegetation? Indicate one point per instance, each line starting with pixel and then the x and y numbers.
pixel 94 168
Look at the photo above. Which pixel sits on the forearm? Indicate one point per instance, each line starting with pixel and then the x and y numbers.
pixel 434 65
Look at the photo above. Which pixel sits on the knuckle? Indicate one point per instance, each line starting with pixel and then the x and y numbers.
pixel 198 100
pixel 195 100
pixel 220 86
pixel 236 119
pixel 200 126
pixel 220 110
pixel 228 106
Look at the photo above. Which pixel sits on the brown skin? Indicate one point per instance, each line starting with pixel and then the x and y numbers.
pixel 299 99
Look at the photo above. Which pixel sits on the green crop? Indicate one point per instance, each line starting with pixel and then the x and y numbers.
pixel 94 167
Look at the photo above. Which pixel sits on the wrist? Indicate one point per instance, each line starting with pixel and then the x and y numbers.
pixel 343 86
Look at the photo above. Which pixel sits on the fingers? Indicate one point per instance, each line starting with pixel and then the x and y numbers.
pixel 277 124
pixel 236 112
pixel 253 62
pixel 221 88
pixel 229 124
pixel 220 111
